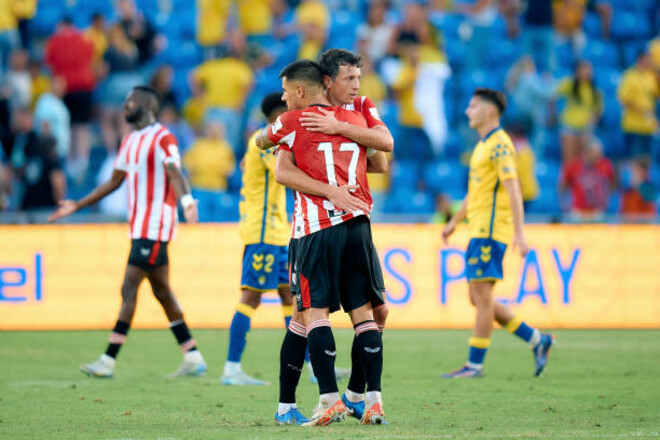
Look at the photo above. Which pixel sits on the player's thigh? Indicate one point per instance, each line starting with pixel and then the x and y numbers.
pixel 264 267
pixel 133 277
pixel 361 314
pixel 148 255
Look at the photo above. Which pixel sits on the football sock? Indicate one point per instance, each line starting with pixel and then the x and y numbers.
pixel 478 349
pixel 322 352
pixel 117 338
pixel 519 328
pixel 283 408
pixel 292 355
pixel 354 397
pixel 357 381
pixel 182 335
pixel 238 330
pixel 370 344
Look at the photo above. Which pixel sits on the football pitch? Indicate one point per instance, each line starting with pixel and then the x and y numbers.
pixel 598 385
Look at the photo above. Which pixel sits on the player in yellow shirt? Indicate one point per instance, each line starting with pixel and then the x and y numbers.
pixel 494 211
pixel 264 230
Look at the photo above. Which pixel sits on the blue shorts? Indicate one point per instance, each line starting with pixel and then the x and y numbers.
pixel 483 260
pixel 265 267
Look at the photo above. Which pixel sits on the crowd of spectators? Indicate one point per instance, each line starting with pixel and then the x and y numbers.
pixel 582 79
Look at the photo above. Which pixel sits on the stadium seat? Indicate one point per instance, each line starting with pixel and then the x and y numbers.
pixel 406 202
pixel 592 26
pixel 631 24
pixel 44 22
pixel 445 176
pixel 403 174
pixel 547 173
pixel 601 54
pixel 613 145
pixel 547 202
pixel 507 53
pixel 607 80
pixel 343 28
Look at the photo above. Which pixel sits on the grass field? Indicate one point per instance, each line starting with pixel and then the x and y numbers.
pixel 598 385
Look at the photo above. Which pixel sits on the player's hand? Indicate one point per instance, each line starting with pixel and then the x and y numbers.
pixel 520 243
pixel 67 207
pixel 447 231
pixel 344 200
pixel 190 213
pixel 325 123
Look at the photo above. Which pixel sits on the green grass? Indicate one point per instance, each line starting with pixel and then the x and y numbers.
pixel 598 385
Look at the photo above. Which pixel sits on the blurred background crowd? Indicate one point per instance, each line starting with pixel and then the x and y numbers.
pixel 582 79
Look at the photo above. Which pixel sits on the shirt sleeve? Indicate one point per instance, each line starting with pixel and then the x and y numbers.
pixel 370 112
pixel 502 155
pixel 283 131
pixel 168 150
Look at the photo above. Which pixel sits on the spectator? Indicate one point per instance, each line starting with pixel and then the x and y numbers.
pixel 525 164
pixel 568 16
pixel 18 79
pixel 374 35
pixel 194 109
pixel 210 160
pixel 444 210
pixel 70 55
pixel 605 10
pixel 537 33
pixel 584 105
pixel 590 179
pixel 120 64
pixel 225 83
pixel 161 80
pixel 313 21
pixel 212 26
pixel 481 16
pixel 169 117
pixel 11 11
pixel 5 183
pixel 52 117
pixel 96 34
pixel 256 21
pixel 414 29
pixel 638 191
pixel 138 30
pixel 638 92
pixel 40 81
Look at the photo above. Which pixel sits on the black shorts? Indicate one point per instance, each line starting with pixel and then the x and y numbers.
pixel 80 106
pixel 148 254
pixel 337 265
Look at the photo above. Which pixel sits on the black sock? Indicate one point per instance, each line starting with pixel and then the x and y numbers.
pixel 370 343
pixel 182 335
pixel 117 338
pixel 322 352
pixel 357 381
pixel 292 360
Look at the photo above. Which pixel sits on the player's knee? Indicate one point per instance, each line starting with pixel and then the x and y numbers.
pixel 162 294
pixel 380 314
pixel 251 298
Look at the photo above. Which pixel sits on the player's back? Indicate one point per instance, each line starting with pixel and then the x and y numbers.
pixel 152 204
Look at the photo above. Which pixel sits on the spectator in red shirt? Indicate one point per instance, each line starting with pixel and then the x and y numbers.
pixel 70 55
pixel 590 178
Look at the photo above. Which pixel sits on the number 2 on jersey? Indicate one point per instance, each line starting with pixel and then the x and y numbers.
pixel 352 147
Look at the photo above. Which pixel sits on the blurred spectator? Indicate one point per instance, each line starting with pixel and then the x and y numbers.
pixel 138 30
pixel 481 16
pixel 256 20
pixel 638 191
pixel 530 94
pixel 444 209
pixel 52 117
pixel 590 179
pixel 510 12
pixel 169 117
pixel 210 160
pixel 654 51
pixel 525 164
pixel 605 10
pixel 584 105
pixel 537 33
pixel 568 16
pixel 638 92
pixel 371 84
pixel 36 166
pixel 11 11
pixel 313 21
pixel 120 64
pixel 96 34
pixel 375 34
pixel 161 80
pixel 70 55
pixel 413 29
pixel 18 79
pixel 194 108
pixel 5 183
pixel 27 9
pixel 225 83
pixel 40 81
pixel 212 26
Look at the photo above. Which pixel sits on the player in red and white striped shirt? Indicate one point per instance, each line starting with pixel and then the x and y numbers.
pixel 149 161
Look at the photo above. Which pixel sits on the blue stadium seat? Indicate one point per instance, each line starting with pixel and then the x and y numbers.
pixel 601 54
pixel 456 51
pixel 506 54
pixel 614 203
pixel 547 202
pixel 612 114
pixel 631 24
pixel 343 28
pixel 234 181
pixel 630 50
pixel 409 202
pixel 612 139
pixel 593 26
pixel 44 22
pixel 547 173
pixel 551 145
pixel 448 24
pixel 446 176
pixel 403 175
pixel 607 80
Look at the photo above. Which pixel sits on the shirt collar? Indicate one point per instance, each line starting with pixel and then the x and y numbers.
pixel 490 133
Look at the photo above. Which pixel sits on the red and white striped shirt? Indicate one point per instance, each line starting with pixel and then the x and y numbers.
pixel 152 204
pixel 335 160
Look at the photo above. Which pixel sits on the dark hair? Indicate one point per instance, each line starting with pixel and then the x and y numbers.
pixel 66 20
pixel 272 102
pixel 151 92
pixel 303 70
pixel 495 97
pixel 575 88
pixel 332 59
pixel 641 54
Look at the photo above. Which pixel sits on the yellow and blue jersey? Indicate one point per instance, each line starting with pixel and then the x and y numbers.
pixel 489 211
pixel 262 206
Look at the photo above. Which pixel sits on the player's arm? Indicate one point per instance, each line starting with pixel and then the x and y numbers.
pixel 263 141
pixel 289 175
pixel 182 190
pixel 457 218
pixel 68 207
pixel 377 137
pixel 512 187
pixel 377 163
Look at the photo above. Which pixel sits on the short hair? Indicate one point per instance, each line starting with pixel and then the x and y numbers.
pixel 303 70
pixel 272 102
pixel 495 97
pixel 332 59
pixel 66 20
pixel 155 94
